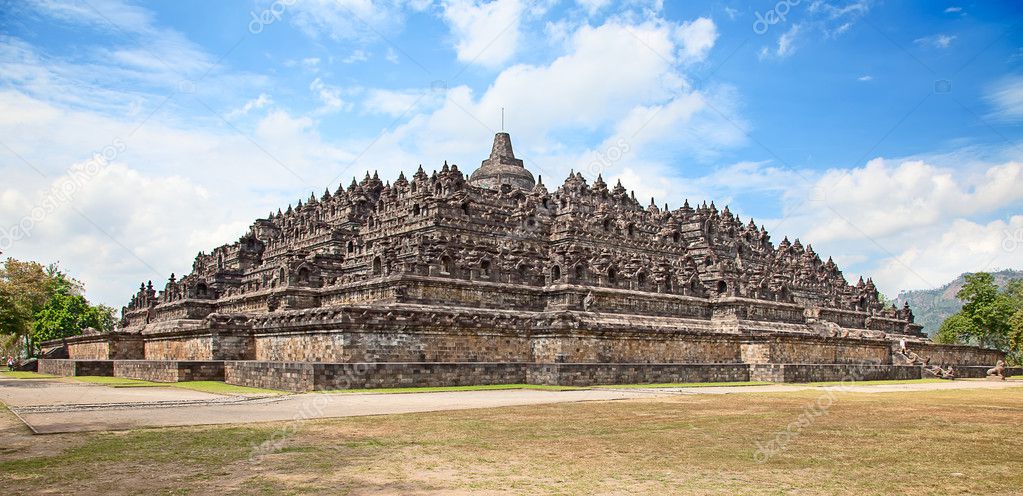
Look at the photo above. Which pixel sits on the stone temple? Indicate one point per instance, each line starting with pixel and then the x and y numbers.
pixel 440 279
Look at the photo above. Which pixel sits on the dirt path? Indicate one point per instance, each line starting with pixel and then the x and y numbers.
pixel 56 406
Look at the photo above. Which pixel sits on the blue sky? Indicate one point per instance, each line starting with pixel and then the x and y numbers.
pixel 887 134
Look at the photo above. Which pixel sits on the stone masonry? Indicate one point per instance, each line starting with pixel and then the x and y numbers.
pixel 572 285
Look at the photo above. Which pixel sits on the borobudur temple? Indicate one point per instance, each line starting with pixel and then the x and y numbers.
pixel 442 279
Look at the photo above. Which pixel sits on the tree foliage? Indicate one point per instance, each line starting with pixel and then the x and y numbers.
pixel 989 317
pixel 25 287
pixel 39 303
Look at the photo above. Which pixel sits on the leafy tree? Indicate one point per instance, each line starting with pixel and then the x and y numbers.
pixel 68 313
pixel 956 329
pixel 989 317
pixel 25 287
pixel 40 303
pixel 105 316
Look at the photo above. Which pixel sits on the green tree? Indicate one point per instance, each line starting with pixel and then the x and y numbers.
pixel 989 317
pixel 25 288
pixel 39 303
pixel 68 313
pixel 957 329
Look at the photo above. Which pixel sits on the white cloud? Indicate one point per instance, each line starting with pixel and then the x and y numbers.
pixel 963 246
pixel 172 192
pixel 593 6
pixel 397 103
pixel 221 176
pixel 865 77
pixel 359 55
pixel 329 95
pixel 953 10
pixel 255 104
pixel 830 11
pixel 897 211
pixel 362 21
pixel 1006 97
pixel 786 44
pixel 697 38
pixel 486 34
pixel 833 21
pixel 941 41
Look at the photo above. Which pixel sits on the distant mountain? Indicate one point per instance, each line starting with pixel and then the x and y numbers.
pixel 932 306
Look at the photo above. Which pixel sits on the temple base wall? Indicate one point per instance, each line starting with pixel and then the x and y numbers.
pixel 107 347
pixel 310 376
pixel 828 372
pixel 590 374
pixel 304 376
pixel 169 370
pixel 791 349
pixel 430 345
pixel 71 367
pixel 945 355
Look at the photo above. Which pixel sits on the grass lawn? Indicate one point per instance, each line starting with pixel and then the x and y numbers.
pixel 25 375
pixel 871 383
pixel 488 387
pixel 930 442
pixel 686 384
pixel 205 386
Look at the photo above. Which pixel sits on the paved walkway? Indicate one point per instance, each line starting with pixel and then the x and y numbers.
pixel 60 405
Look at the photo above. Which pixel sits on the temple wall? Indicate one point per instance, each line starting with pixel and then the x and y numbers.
pixel 390 346
pixel 169 370
pixel 189 347
pixel 106 347
pixel 285 376
pixel 95 350
pixel 944 355
pixel 589 374
pixel 671 348
pixel 795 349
pixel 234 346
pixel 474 294
pixel 808 372
pixel 70 367
pixel 647 304
pixel 764 311
pixel 304 376
pixel 844 318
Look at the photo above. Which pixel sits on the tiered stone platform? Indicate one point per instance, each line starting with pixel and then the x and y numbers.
pixel 439 279
pixel 310 376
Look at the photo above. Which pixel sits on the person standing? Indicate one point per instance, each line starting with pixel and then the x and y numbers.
pixel 10 363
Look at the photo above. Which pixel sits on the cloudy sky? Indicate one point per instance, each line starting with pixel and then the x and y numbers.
pixel 887 134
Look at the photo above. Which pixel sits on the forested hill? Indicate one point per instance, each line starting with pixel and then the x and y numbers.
pixel 932 306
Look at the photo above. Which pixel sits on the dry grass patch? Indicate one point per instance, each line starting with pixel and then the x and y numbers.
pixel 950 441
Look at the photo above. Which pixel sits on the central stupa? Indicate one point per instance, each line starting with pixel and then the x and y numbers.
pixel 502 168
